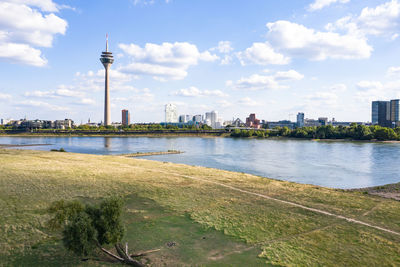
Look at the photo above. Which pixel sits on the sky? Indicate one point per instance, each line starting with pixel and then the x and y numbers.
pixel 326 58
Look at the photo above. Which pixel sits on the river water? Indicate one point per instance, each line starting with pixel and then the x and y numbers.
pixel 331 164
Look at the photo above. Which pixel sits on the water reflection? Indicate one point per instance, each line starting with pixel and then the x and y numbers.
pixel 107 143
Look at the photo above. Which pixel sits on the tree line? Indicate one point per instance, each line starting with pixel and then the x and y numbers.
pixel 353 132
pixel 126 128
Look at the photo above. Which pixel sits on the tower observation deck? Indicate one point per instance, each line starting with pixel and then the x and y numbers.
pixel 107 59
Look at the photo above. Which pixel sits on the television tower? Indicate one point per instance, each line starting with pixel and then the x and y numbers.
pixel 107 59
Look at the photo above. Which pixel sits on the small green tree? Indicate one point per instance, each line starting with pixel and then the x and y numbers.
pixel 87 228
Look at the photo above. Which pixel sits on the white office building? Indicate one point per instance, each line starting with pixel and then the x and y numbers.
pixel 213 120
pixel 171 114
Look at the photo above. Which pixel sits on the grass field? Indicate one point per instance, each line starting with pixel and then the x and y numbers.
pixel 211 224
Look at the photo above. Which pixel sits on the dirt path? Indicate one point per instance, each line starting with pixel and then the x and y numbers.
pixel 283 201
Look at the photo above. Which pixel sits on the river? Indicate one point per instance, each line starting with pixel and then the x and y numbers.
pixel 332 164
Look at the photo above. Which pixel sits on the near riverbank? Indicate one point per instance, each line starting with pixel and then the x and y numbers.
pixel 387 191
pixel 213 217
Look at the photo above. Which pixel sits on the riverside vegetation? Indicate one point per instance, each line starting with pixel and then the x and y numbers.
pixel 194 215
pixel 353 132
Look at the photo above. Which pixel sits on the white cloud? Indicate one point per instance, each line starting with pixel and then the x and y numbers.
pixel 260 82
pixel 261 54
pixel 165 61
pixel 227 59
pixel 22 53
pixel 23 27
pixel 297 40
pixel 59 93
pixel 195 92
pixel 44 5
pixel 248 102
pixel 147 2
pixel 319 4
pixel 369 85
pixel 224 47
pixel 41 104
pixel 223 103
pixel 158 72
pixel 5 96
pixel 328 98
pixel 289 75
pixel 256 82
pixel 375 90
pixel 87 101
pixel 322 99
pixel 94 81
pixel 393 71
pixel 380 20
pixel 140 97
pixel 338 88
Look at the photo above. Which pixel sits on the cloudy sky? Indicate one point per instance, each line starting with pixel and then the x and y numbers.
pixel 274 58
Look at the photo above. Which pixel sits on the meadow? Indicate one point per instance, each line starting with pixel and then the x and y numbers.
pixel 212 217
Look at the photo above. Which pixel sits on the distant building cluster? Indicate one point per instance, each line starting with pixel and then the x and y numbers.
pixel 38 124
pixel 213 120
pixel 210 118
pixel 386 113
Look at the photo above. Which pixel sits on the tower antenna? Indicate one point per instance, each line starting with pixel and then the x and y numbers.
pixel 107 42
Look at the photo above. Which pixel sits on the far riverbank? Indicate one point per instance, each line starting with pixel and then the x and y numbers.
pixel 221 133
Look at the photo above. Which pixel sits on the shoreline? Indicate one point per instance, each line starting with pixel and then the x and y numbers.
pixel 389 191
pixel 21 145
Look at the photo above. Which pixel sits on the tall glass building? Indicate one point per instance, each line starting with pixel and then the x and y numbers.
pixel 300 119
pixel 381 113
pixel 395 111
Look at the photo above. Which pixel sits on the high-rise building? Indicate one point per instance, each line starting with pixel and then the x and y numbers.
pixel 107 59
pixel 381 113
pixel 323 121
pixel 395 111
pixel 300 119
pixel 197 119
pixel 171 114
pixel 126 117
pixel 212 119
pixel 182 119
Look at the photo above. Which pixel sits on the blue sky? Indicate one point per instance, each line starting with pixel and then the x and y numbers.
pixel 327 58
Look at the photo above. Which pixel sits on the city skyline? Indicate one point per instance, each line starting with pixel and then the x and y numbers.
pixel 202 59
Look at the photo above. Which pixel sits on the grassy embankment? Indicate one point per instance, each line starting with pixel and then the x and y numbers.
pixel 210 224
